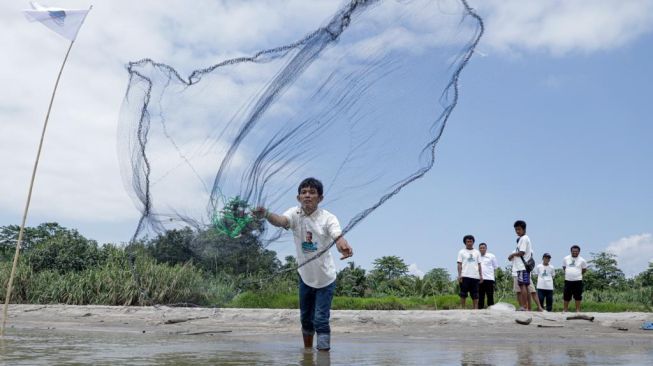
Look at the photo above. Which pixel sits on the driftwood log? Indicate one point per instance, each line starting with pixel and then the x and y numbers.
pixel 580 317
pixel 181 320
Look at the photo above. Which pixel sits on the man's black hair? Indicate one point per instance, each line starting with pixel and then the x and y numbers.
pixel 468 237
pixel 521 224
pixel 482 244
pixel 574 246
pixel 311 183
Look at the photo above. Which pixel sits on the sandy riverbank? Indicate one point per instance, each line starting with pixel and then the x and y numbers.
pixel 446 324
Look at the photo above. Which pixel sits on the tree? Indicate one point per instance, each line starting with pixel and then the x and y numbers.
pixel 289 270
pixel 559 280
pixel 350 281
pixel 230 246
pixel 31 237
pixel 63 250
pixel 390 277
pixel 645 279
pixel 503 280
pixel 436 281
pixel 243 255
pixel 606 274
pixel 389 268
pixel 173 246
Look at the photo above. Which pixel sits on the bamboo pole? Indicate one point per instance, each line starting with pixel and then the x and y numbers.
pixel 29 197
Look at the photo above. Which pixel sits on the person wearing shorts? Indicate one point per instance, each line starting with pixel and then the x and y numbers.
pixel 574 267
pixel 469 271
pixel 531 290
pixel 522 253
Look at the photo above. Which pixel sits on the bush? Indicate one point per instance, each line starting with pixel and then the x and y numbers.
pixel 65 251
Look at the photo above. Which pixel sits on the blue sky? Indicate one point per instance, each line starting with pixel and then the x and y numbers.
pixel 562 142
pixel 552 125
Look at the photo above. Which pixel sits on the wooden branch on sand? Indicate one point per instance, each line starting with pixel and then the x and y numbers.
pixel 580 317
pixel 181 320
pixel 207 332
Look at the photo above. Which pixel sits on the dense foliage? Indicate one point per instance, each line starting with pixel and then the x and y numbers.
pixel 209 268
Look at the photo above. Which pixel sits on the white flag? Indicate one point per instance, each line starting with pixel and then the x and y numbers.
pixel 63 21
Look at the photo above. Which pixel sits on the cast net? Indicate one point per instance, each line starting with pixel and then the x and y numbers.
pixel 360 103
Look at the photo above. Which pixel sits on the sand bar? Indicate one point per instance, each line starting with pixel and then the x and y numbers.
pixel 446 324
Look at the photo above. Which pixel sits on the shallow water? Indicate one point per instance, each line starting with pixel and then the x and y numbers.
pixel 43 347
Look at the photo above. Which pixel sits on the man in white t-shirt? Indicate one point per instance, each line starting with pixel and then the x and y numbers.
pixel 314 230
pixel 469 271
pixel 489 264
pixel 545 273
pixel 574 267
pixel 522 253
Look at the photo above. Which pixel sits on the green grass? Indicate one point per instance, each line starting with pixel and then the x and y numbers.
pixel 443 302
pixel 395 303
pixel 112 284
pixel 640 300
pixel 251 299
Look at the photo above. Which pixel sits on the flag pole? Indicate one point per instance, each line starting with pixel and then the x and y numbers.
pixel 29 197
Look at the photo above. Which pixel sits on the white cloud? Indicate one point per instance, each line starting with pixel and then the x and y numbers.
pixel 562 26
pixel 415 271
pixel 633 252
pixel 79 175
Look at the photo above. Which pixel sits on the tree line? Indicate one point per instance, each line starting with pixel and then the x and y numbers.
pixel 390 276
pixel 201 262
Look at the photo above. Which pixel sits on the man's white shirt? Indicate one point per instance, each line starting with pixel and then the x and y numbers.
pixel 469 260
pixel 489 264
pixel 545 276
pixel 574 268
pixel 312 234
pixel 523 245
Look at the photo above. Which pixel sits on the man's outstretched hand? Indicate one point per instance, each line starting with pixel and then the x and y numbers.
pixel 344 248
pixel 259 212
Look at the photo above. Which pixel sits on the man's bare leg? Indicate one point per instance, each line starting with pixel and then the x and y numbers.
pixel 537 301
pixel 523 294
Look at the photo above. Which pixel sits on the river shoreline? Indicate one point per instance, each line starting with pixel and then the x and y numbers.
pixel 444 325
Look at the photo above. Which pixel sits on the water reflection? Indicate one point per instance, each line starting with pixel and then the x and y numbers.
pixel 576 356
pixel 525 354
pixel 53 347
pixel 315 358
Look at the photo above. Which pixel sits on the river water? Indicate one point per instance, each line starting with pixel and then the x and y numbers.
pixel 50 347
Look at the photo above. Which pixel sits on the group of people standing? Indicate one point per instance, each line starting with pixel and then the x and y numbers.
pixel 476 274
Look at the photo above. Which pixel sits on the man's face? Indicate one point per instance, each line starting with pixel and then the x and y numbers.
pixel 309 199
pixel 469 243
pixel 519 231
pixel 309 236
pixel 575 252
pixel 482 249
pixel 546 260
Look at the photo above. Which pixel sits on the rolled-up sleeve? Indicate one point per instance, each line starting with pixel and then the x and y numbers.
pixel 333 227
pixel 291 215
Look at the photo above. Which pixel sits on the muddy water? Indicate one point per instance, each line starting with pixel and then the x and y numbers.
pixel 47 347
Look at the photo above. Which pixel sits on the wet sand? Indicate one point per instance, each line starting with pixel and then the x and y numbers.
pixel 244 323
pixel 109 335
